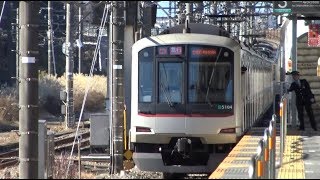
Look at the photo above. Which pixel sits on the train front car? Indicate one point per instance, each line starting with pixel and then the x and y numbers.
pixel 183 110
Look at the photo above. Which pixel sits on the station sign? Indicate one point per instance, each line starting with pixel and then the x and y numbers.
pixel 314 35
pixel 282 7
pixel 302 7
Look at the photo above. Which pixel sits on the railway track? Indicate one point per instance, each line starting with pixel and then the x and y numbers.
pixel 62 141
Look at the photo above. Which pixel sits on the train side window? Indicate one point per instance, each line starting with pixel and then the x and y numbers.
pixel 146 77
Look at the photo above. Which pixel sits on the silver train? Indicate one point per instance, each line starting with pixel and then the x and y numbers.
pixel 193 96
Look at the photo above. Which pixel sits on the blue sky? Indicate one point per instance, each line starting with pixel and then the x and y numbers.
pixel 160 12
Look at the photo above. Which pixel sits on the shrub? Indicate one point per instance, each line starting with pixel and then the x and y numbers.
pixel 9 110
pixel 96 95
pixel 60 167
pixel 49 94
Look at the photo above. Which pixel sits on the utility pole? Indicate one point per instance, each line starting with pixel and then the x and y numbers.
pixel 228 4
pixel 80 38
pixel 49 38
pixel 17 48
pixel 69 117
pixel 170 13
pixel 189 17
pixel 189 14
pixel 251 22
pixel 28 89
pixel 118 23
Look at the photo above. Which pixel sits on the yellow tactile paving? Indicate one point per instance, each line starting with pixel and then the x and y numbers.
pixel 293 164
pixel 219 172
pixel 227 162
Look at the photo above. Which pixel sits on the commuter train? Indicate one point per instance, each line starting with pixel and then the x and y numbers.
pixel 193 95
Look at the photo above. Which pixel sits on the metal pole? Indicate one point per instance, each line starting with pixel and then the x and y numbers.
pixel 50 162
pixel 189 15
pixel 274 97
pixel 266 153
pixel 80 39
pixel 49 38
pixel 170 5
pixel 252 167
pixel 294 42
pixel 260 160
pixel 294 64
pixel 28 90
pixel 282 107
pixel 272 146
pixel 251 30
pixel 79 157
pixel 109 91
pixel 17 48
pixel 69 118
pixel 285 111
pixel 228 4
pixel 118 23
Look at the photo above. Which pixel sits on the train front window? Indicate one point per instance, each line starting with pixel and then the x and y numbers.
pixel 210 75
pixel 146 75
pixel 170 82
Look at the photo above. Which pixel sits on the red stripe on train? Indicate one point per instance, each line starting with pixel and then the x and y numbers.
pixel 186 115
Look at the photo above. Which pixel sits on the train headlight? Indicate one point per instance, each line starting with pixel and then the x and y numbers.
pixel 142 129
pixel 228 130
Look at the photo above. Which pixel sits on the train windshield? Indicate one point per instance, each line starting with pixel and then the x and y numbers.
pixel 170 82
pixel 210 75
pixel 185 79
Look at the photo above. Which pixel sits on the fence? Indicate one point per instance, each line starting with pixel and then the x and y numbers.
pixel 263 164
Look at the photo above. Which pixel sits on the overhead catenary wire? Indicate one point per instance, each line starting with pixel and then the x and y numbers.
pixel 52 47
pixel 102 25
pixel 53 57
pixel 4 3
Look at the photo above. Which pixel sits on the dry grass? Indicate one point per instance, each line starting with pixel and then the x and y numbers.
pixel 8 137
pixel 57 128
pixel 9 110
pixel 49 95
pixel 59 170
pixel 97 93
pixel 49 100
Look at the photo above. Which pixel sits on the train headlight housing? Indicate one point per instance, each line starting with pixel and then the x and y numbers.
pixel 228 130
pixel 142 129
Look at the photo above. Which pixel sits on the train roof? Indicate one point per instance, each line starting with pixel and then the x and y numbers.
pixel 198 28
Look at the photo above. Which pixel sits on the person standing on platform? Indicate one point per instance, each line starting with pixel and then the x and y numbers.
pixel 304 99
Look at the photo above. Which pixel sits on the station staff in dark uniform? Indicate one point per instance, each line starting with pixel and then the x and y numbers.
pixel 304 98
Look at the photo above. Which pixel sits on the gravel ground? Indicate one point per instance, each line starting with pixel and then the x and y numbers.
pixel 133 173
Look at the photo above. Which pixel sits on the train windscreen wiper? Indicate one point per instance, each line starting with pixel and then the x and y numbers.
pixel 166 94
pixel 208 89
pixel 210 81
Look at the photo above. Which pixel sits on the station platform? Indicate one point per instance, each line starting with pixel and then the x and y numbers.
pixel 301 158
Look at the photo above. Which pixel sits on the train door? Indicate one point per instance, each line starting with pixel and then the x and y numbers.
pixel 170 85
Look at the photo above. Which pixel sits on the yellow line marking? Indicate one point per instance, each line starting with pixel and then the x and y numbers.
pixel 293 164
pixel 239 149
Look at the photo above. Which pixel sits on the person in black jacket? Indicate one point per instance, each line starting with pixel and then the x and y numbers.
pixel 304 98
